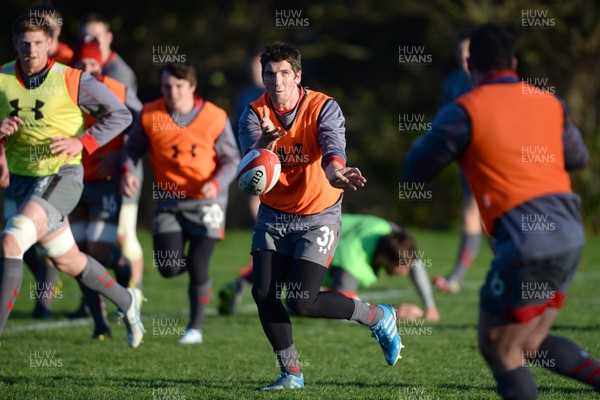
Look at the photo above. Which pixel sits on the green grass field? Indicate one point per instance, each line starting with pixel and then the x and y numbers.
pixel 58 360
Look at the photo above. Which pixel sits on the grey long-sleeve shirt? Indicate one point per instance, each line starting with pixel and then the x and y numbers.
pixel 226 149
pixel 117 68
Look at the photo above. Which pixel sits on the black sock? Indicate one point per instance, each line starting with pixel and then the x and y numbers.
pixel 11 277
pixel 121 266
pixel 47 280
pixel 94 304
pixel 565 357
pixel 517 384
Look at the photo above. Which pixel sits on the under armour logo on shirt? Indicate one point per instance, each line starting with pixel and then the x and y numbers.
pixel 176 151
pixel 36 110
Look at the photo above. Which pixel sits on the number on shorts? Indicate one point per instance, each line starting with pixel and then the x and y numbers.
pixel 328 237
pixel 213 216
pixel 109 203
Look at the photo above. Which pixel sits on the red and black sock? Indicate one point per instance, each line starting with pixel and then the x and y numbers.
pixel 11 277
pixel 570 360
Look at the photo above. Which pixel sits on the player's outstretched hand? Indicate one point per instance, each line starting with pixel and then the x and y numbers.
pixel 269 133
pixel 129 184
pixel 344 177
pixel 62 146
pixel 10 125
pixel 432 314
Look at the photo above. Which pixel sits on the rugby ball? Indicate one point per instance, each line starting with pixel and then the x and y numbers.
pixel 258 172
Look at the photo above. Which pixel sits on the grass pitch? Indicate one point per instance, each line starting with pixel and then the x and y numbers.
pixel 56 359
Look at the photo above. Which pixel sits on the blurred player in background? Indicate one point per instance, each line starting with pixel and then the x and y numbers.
pixel 516 144
pixel 455 85
pixel 367 245
pixel 306 129
pixel 41 104
pixel 194 158
pixel 95 218
pixel 250 93
pixel 59 51
pixel 115 67
pixel 227 294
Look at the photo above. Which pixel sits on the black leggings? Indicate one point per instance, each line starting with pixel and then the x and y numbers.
pixel 171 261
pixel 302 280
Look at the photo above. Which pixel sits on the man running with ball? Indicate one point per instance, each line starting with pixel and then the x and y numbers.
pixel 306 129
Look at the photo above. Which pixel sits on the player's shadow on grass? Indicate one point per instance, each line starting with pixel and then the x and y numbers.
pixel 126 382
pixel 541 389
pixel 27 315
pixel 358 385
pixel 580 328
pixel 444 325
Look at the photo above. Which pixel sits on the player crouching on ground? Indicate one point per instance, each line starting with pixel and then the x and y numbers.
pixel 367 245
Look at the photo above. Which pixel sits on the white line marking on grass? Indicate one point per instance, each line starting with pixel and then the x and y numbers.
pixel 250 307
pixel 46 326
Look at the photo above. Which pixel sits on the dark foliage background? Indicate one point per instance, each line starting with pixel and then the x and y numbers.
pixel 350 51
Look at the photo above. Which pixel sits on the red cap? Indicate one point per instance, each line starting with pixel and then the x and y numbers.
pixel 87 47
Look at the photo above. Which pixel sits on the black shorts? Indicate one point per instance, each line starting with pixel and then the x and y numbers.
pixel 522 291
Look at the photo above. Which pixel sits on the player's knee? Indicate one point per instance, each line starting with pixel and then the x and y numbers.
pixel 18 236
pixel 532 344
pixel 170 267
pixel 487 346
pixel 260 293
pixel 301 307
pixel 60 245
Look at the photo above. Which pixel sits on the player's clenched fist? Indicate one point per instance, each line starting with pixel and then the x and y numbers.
pixel 10 125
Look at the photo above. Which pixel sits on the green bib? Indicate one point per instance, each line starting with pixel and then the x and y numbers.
pixel 48 111
pixel 357 245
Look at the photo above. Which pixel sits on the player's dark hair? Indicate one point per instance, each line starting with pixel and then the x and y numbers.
pixel 180 71
pixel 398 247
pixel 491 48
pixel 95 17
pixel 464 35
pixel 31 23
pixel 280 51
